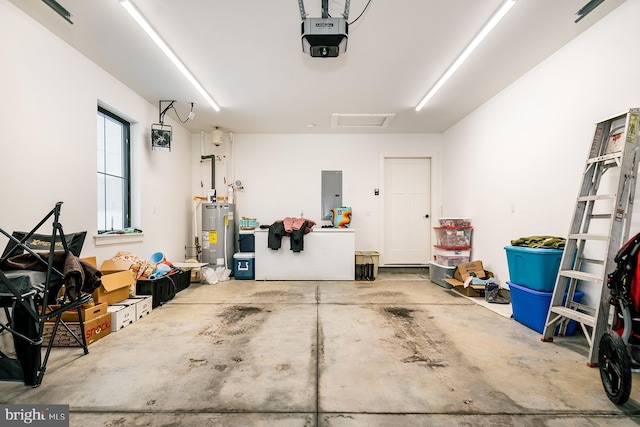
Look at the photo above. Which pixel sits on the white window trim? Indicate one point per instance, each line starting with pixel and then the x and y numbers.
pixel 117 239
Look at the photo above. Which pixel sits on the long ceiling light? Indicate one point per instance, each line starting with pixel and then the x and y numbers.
pixel 60 10
pixel 144 24
pixel 506 6
pixel 587 9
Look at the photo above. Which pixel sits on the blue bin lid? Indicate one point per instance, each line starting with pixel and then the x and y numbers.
pixel 538 251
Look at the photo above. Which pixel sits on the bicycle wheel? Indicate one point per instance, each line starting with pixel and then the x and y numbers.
pixel 615 367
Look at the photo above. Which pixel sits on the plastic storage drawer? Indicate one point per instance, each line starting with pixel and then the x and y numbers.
pixel 454 222
pixel 451 258
pixel 535 268
pixel 437 274
pixel 453 237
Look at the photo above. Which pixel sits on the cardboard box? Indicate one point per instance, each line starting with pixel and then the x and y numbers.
pixel 88 313
pixel 110 266
pixel 91 260
pixel 116 281
pixel 143 304
pixel 94 329
pixel 463 271
pixel 470 291
pixel 121 315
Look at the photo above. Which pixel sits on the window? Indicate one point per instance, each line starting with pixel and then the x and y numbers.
pixel 114 198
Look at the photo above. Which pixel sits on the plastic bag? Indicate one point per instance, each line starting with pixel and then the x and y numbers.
pixel 223 274
pixel 209 276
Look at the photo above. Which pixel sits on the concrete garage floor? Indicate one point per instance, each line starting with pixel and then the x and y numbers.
pixel 397 351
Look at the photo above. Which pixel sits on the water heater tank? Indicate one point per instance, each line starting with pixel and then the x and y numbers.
pixel 216 137
pixel 218 234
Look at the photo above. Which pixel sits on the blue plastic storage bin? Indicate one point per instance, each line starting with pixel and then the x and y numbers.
pixel 532 267
pixel 247 241
pixel 244 266
pixel 530 307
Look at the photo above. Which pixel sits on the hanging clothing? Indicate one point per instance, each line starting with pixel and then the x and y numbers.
pixel 276 231
pixel 294 228
pixel 296 239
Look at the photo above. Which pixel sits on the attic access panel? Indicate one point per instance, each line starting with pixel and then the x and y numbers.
pixel 361 120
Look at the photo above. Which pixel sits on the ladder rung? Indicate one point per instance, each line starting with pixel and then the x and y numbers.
pixel 600 216
pixel 578 316
pixel 604 158
pixel 587 236
pixel 592 261
pixel 581 275
pixel 595 197
pixel 590 311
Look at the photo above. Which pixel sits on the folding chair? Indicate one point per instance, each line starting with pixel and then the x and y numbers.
pixel 28 295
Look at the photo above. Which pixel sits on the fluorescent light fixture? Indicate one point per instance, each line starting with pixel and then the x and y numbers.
pixel 60 10
pixel 587 9
pixel 506 6
pixel 144 24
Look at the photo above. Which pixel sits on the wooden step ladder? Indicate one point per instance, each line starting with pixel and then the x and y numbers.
pixel 599 227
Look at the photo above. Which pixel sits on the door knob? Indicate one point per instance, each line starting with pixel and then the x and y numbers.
pixel 426 216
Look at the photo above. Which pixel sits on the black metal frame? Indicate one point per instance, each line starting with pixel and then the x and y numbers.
pixel 36 301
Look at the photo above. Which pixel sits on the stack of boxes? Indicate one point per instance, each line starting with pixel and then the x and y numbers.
pixel 129 310
pixel 112 309
pixel 452 247
pixel 96 321
pixel 532 277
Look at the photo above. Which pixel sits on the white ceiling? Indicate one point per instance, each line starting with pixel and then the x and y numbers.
pixel 248 55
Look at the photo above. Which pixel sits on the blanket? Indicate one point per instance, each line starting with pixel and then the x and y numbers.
pixel 551 242
pixel 78 276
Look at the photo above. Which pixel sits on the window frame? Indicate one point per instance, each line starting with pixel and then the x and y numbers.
pixel 126 167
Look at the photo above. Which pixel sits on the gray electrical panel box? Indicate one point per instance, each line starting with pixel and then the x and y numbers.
pixel 331 192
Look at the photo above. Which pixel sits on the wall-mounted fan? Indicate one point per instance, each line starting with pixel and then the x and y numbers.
pixel 160 137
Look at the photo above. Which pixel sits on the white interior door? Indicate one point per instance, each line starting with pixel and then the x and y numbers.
pixel 407 210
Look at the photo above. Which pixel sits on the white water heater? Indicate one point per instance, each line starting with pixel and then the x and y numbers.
pixel 217 137
pixel 218 234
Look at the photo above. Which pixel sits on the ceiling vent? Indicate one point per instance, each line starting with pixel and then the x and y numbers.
pixel 361 120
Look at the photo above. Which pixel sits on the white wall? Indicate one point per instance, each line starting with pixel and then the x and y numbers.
pixel 281 174
pixel 515 164
pixel 48 149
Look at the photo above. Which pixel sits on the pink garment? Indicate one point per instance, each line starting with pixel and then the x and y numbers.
pixel 291 224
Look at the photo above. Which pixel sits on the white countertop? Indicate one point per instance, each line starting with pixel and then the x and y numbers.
pixel 320 230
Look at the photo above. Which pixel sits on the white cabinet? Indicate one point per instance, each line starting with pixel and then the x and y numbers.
pixel 328 254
